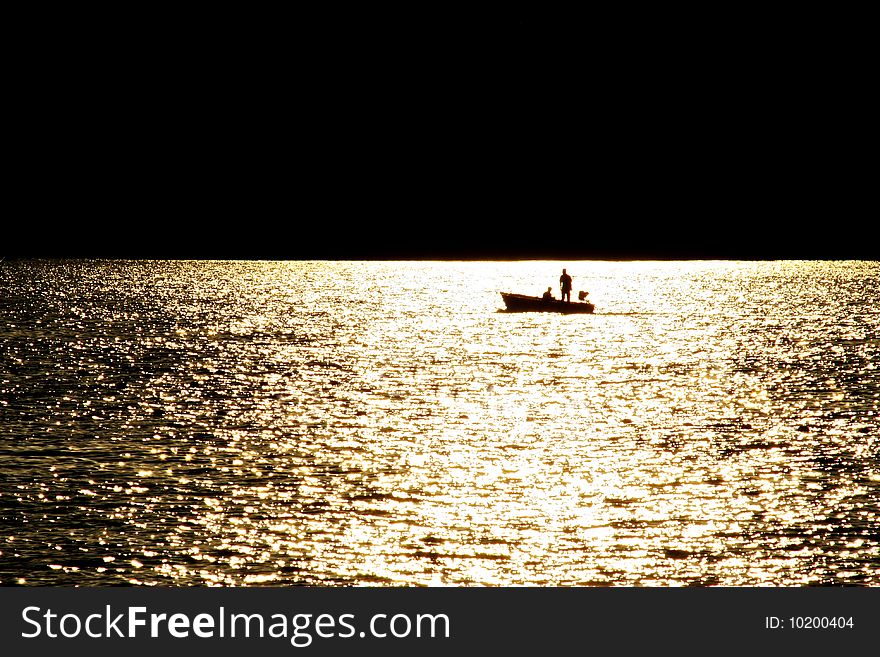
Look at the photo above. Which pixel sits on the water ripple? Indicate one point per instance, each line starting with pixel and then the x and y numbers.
pixel 337 423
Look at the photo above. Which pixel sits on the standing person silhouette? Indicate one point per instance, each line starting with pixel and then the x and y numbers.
pixel 565 286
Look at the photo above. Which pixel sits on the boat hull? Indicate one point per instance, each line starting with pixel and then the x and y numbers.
pixel 521 303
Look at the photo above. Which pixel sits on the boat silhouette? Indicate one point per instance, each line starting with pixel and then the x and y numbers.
pixel 523 303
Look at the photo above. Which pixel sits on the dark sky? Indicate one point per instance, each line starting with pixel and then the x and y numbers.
pixel 512 135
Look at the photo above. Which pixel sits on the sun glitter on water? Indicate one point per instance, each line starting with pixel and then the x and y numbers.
pixel 345 423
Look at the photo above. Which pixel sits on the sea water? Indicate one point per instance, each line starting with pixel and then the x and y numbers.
pixel 383 423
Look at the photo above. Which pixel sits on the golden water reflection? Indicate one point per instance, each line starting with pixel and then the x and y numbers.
pixel 261 423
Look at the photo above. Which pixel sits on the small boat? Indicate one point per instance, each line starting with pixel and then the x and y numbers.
pixel 521 303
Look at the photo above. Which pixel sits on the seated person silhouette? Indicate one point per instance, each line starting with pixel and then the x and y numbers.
pixel 548 295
